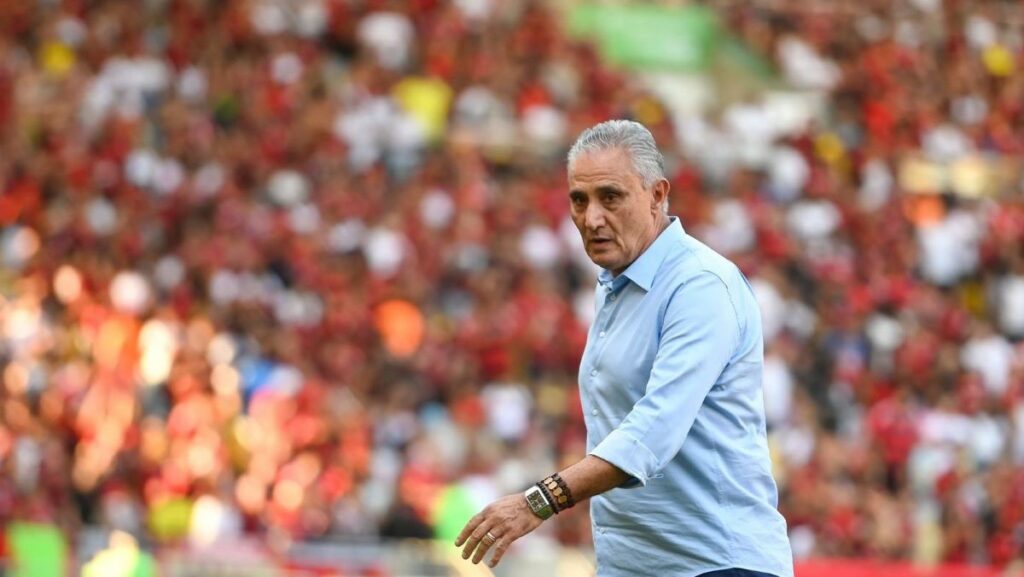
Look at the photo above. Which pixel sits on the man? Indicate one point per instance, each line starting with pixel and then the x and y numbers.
pixel 677 468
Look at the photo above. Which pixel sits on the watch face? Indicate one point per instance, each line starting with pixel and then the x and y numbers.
pixel 538 504
pixel 536 500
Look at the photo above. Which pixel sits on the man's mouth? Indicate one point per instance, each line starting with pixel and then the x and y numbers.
pixel 600 242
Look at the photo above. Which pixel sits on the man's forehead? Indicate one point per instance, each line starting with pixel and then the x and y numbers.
pixel 611 166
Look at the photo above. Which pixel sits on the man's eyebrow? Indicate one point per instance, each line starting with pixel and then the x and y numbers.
pixel 606 188
pixel 601 188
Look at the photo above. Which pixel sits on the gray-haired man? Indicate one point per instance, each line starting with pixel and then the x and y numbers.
pixel 670 382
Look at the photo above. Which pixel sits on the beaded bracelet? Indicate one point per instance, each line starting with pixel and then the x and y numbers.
pixel 561 497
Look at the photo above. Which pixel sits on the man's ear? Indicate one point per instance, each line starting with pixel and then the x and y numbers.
pixel 659 193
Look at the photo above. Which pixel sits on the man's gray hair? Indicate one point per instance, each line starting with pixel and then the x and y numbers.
pixel 630 136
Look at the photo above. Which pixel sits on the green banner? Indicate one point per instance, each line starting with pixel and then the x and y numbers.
pixel 452 511
pixel 650 37
pixel 37 550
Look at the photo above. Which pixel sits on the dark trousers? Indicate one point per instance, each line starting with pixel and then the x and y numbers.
pixel 736 573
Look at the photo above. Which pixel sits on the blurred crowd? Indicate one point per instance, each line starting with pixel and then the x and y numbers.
pixel 302 268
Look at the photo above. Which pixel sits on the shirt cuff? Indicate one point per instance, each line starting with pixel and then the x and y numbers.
pixel 628 454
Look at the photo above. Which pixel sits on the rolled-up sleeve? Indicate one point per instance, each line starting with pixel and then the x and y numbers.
pixel 700 334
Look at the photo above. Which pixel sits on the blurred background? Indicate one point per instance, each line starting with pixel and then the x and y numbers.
pixel 289 287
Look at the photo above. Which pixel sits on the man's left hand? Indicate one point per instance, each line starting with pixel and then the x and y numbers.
pixel 505 520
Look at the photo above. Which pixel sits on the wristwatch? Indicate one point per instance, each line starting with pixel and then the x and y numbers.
pixel 539 503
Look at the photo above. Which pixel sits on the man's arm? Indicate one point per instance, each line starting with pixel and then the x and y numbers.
pixel 509 518
pixel 592 476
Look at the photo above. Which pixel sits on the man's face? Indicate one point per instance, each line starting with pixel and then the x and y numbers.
pixel 616 215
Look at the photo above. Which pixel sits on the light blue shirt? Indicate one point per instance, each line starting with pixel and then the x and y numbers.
pixel 670 383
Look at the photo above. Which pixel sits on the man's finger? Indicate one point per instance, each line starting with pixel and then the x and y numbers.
pixel 499 550
pixel 468 529
pixel 485 544
pixel 476 536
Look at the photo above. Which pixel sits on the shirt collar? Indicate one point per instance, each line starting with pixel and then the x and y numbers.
pixel 641 272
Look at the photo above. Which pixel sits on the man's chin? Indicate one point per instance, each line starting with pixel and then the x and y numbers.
pixel 603 261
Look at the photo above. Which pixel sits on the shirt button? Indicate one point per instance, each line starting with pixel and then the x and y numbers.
pixel 594 412
pixel 593 372
pixel 611 298
pixel 601 334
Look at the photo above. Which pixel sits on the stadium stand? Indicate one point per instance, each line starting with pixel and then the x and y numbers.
pixel 303 270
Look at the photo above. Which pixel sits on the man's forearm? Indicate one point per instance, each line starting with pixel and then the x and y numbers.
pixel 511 517
pixel 592 476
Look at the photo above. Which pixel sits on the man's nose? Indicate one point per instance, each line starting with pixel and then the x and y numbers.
pixel 593 218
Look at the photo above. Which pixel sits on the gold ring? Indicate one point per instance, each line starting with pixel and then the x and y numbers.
pixel 489 539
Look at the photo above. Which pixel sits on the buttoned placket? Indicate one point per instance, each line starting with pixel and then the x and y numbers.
pixel 601 323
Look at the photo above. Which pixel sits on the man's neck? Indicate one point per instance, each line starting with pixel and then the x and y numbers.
pixel 666 220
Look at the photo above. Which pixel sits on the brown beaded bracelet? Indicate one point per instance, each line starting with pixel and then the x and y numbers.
pixel 561 497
